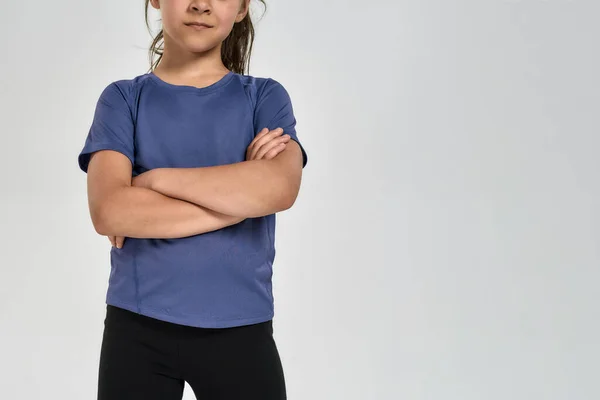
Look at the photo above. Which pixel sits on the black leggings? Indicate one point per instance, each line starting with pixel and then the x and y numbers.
pixel 150 359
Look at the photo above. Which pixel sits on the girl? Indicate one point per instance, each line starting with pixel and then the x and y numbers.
pixel 190 162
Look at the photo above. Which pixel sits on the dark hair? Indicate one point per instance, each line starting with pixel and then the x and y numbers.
pixel 235 51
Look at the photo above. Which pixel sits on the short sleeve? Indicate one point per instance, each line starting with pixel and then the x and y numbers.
pixel 112 127
pixel 274 110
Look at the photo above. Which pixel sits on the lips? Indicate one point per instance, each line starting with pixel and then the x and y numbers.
pixel 199 24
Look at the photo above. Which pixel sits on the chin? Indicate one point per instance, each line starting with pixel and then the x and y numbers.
pixel 199 46
pixel 200 49
pixel 195 47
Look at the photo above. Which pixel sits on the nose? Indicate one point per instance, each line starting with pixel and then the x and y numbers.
pixel 200 6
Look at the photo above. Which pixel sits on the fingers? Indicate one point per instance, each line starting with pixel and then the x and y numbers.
pixel 116 241
pixel 262 138
pixel 267 144
pixel 273 152
pixel 260 134
pixel 272 148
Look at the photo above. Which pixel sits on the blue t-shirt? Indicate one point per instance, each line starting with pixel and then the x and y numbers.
pixel 216 279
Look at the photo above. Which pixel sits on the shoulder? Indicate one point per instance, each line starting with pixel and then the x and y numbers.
pixel 124 90
pixel 260 89
pixel 259 84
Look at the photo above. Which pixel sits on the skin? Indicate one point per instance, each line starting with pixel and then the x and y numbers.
pixel 193 57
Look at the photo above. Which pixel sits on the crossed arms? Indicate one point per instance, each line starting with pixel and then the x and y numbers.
pixel 180 202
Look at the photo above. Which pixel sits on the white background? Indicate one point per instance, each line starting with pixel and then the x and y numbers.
pixel 445 243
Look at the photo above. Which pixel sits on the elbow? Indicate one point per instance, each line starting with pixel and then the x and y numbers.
pixel 104 215
pixel 100 220
pixel 272 205
pixel 288 200
pixel 107 210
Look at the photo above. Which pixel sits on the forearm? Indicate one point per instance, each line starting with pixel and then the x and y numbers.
pixel 246 189
pixel 138 212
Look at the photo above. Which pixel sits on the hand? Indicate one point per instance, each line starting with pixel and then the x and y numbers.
pixel 117 241
pixel 267 144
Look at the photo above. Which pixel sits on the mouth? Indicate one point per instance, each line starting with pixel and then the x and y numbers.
pixel 199 25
